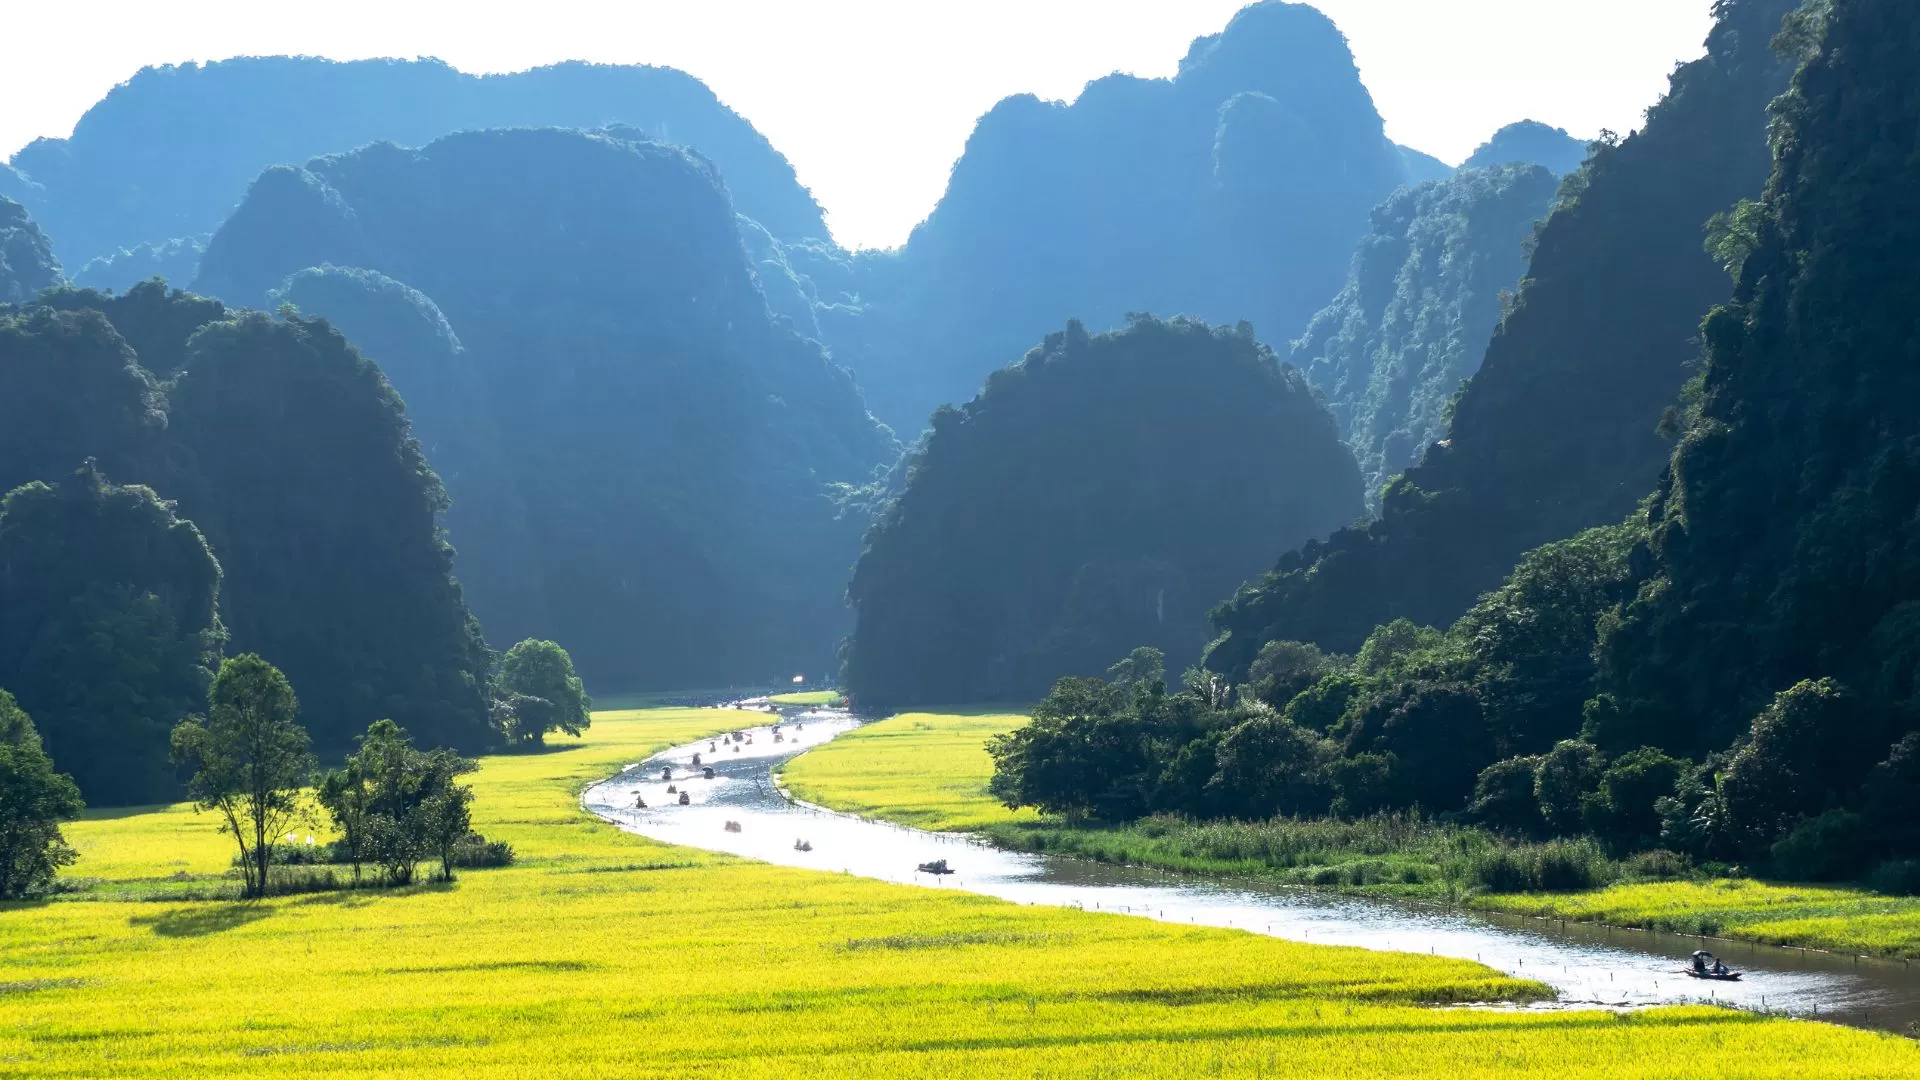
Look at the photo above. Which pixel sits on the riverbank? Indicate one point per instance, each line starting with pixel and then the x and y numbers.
pixel 931 771
pixel 600 953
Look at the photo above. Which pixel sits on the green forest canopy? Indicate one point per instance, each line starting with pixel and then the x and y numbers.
pixel 1097 495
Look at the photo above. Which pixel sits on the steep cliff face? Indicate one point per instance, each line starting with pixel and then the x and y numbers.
pixel 171 151
pixel 1234 190
pixel 643 461
pixel 1558 431
pixel 1422 301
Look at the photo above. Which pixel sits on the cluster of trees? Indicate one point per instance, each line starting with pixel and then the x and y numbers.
pixel 392 804
pixel 1559 430
pixel 27 261
pixel 243 481
pixel 1411 719
pixel 1422 301
pixel 1100 493
pixel 643 461
pixel 160 161
pixel 1731 672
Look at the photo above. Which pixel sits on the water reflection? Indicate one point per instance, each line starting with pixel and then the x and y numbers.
pixel 740 810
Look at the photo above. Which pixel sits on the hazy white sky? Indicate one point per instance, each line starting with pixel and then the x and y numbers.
pixel 872 100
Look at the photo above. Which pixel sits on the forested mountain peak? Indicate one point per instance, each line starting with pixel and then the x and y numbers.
pixel 1530 142
pixel 1096 496
pixel 566 304
pixel 1558 431
pixel 169 152
pixel 1233 190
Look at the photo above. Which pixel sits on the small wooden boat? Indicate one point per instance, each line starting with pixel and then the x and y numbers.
pixel 1707 966
pixel 937 866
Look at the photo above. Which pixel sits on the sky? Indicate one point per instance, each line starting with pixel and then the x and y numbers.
pixel 873 100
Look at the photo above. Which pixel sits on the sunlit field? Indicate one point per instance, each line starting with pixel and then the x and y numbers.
pixel 931 771
pixel 806 697
pixel 928 770
pixel 1817 917
pixel 602 954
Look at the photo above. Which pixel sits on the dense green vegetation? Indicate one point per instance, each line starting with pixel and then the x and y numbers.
pixel 1530 142
pixel 1422 301
pixel 167 153
pixel 1098 494
pixel 299 522
pixel 1559 429
pixel 27 262
pixel 34 800
pixel 1687 680
pixel 1234 190
pixel 109 627
pixel 642 462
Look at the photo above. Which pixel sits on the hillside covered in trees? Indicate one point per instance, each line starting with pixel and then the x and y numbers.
pixel 243 481
pixel 643 463
pixel 27 261
pixel 166 155
pixel 1559 429
pixel 1234 190
pixel 1730 672
pixel 1096 496
pixel 1422 300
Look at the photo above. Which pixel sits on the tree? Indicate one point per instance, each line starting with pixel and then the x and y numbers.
pixel 446 811
pixel 249 759
pixel 395 804
pixel 546 694
pixel 33 801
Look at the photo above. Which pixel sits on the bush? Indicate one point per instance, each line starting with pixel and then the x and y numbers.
pixel 1831 847
pixel 476 852
pixel 1558 866
pixel 1896 877
pixel 1657 865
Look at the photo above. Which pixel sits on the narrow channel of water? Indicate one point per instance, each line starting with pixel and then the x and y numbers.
pixel 742 812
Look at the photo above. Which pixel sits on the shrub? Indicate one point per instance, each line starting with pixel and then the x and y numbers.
pixel 1557 866
pixel 1896 877
pixel 1831 847
pixel 1657 865
pixel 476 852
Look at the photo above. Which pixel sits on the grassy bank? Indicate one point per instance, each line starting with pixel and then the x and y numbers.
pixel 931 771
pixel 806 697
pixel 602 954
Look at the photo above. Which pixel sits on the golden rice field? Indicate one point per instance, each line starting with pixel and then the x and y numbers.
pixel 928 770
pixel 1838 919
pixel 601 954
pixel 806 697
pixel 931 771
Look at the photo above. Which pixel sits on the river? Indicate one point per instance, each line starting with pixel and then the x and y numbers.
pixel 1587 965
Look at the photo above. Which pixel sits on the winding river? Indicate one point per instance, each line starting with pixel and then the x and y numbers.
pixel 1588 965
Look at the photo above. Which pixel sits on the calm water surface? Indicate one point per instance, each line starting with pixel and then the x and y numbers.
pixel 1588 965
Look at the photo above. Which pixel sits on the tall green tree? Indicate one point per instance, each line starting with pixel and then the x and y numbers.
pixel 541 693
pixel 34 800
pixel 249 759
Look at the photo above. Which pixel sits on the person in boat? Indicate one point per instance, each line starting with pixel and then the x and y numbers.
pixel 1700 959
pixel 1719 966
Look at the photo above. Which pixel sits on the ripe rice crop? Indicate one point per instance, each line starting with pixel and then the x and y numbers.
pixel 602 954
